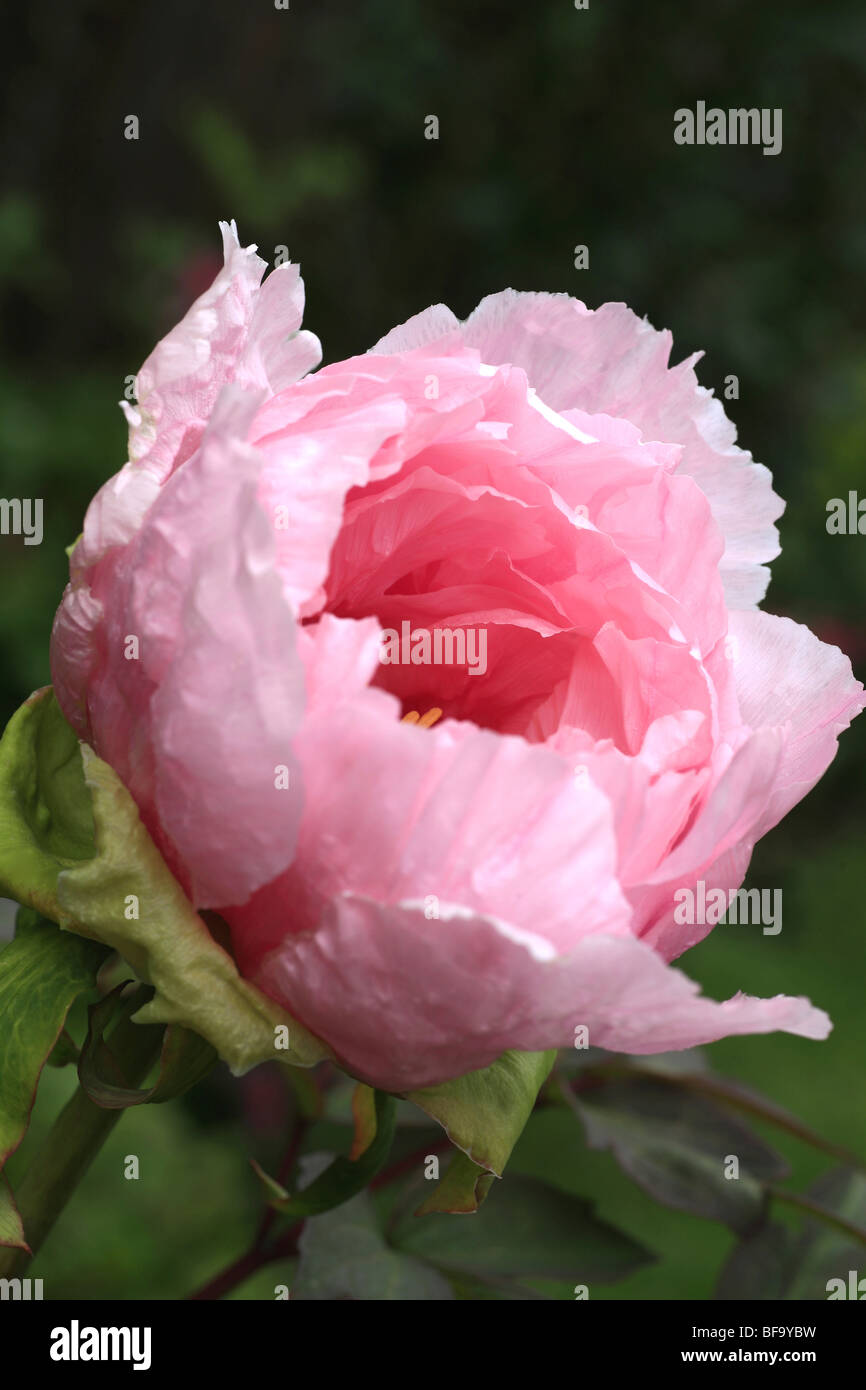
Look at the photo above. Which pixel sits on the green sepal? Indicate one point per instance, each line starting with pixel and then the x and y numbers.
pixel 73 847
pixel 484 1112
pixel 196 981
pixel 45 819
pixel 461 1191
pixel 184 1060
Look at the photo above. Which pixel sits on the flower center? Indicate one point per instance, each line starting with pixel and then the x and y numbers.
pixel 424 721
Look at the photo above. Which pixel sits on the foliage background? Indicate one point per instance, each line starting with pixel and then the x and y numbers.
pixel 556 129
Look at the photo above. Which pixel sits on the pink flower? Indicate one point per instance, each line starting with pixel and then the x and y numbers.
pixel 539 480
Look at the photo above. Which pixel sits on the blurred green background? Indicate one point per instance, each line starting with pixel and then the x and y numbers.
pixel 556 129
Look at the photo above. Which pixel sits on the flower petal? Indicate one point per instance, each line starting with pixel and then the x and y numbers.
pixel 608 360
pixel 199 722
pixel 404 1006
pixel 785 676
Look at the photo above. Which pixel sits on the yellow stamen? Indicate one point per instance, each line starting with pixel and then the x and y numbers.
pixel 424 721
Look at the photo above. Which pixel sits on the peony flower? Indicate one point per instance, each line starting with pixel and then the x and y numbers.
pixel 500 870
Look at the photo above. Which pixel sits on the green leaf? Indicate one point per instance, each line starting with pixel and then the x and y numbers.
pixel 11 1229
pixel 527 1229
pixel 45 820
pixel 825 1252
pixel 680 1147
pixel 185 1058
pixel 777 1262
pixel 42 971
pixel 345 1176
pixel 758 1268
pixel 344 1256
pixel 196 981
pixel 461 1191
pixel 483 1113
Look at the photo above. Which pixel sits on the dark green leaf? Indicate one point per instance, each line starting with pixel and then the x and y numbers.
pixel 824 1252
pixel 776 1262
pixel 681 1148
pixel 525 1229
pixel 759 1266
pixel 344 1256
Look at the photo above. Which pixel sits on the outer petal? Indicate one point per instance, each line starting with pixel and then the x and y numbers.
pixel 114 516
pixel 232 331
pixel 198 726
pixel 74 654
pixel 405 1007
pixel 786 677
pixel 235 331
pixel 276 352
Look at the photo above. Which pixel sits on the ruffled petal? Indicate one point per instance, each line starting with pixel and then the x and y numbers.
pixel 200 724
pixel 608 360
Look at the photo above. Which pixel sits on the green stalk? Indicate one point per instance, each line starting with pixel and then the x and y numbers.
pixel 72 1143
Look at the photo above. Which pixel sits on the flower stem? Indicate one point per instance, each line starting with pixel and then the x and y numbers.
pixel 72 1143
pixel 341 1181
pixel 256 1258
pixel 814 1209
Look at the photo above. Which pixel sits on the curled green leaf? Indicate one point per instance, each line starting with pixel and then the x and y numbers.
pixel 184 1059
pixel 345 1177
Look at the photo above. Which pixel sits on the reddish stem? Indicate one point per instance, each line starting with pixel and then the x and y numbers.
pixel 269 1215
pixel 255 1258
